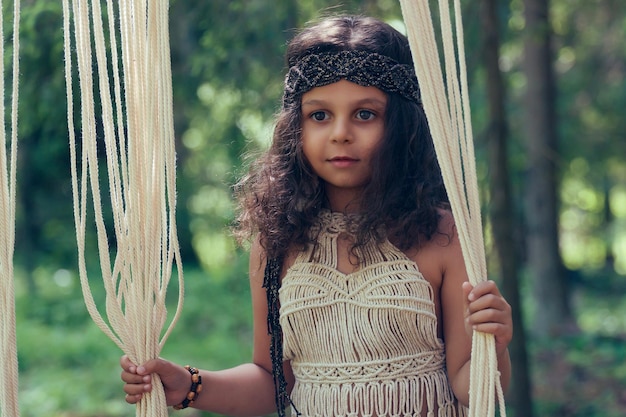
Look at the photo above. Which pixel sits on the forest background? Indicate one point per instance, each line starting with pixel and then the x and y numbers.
pixel 560 256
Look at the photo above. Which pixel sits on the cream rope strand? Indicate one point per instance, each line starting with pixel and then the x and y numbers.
pixel 449 119
pixel 9 384
pixel 138 133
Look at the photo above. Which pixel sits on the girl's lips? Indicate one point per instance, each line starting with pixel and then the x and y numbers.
pixel 343 161
pixel 343 158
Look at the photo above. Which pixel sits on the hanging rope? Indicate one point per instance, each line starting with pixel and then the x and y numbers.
pixel 9 405
pixel 449 119
pixel 138 135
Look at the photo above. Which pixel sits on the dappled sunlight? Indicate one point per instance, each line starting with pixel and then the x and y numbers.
pixel 617 201
pixel 214 250
pixel 619 249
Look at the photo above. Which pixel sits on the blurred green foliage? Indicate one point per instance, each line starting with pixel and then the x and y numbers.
pixel 227 73
pixel 68 367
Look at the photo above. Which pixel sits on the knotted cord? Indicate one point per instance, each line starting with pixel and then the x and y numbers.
pixel 9 405
pixel 448 110
pixel 138 135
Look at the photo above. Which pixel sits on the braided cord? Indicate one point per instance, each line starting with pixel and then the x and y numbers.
pixel 9 404
pixel 449 118
pixel 138 136
pixel 271 283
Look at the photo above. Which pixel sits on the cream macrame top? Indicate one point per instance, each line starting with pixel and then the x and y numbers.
pixel 363 343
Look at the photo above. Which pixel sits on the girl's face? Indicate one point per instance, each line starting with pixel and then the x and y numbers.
pixel 342 126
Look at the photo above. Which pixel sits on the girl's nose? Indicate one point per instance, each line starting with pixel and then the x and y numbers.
pixel 341 132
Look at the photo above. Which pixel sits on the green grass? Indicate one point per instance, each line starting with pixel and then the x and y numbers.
pixel 69 368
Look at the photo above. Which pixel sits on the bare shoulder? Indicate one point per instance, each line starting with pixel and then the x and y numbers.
pixel 258 259
pixel 257 262
pixel 443 242
pixel 434 255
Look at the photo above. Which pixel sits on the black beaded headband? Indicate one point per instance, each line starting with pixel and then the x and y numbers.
pixel 361 67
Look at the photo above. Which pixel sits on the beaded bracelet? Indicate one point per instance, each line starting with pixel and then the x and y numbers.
pixel 194 390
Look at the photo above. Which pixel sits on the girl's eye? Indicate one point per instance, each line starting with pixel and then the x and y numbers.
pixel 365 115
pixel 319 116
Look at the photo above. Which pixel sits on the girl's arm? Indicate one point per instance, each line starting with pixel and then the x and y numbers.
pixel 465 308
pixel 245 390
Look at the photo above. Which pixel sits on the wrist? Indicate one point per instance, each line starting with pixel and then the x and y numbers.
pixel 194 389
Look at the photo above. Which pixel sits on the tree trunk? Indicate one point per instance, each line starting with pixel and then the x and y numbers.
pixel 501 209
pixel 553 314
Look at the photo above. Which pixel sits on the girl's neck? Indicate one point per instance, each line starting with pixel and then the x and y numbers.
pixel 344 201
pixel 344 205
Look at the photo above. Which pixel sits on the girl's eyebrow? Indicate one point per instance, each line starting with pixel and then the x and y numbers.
pixel 365 101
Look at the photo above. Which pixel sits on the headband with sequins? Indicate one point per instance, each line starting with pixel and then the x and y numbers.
pixel 361 67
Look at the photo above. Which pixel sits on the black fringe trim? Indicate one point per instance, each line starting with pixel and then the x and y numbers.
pixel 271 283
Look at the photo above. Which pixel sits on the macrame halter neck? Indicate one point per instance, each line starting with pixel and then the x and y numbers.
pixel 363 342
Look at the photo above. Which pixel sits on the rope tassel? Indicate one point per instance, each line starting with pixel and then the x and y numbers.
pixel 9 404
pixel 138 134
pixel 449 119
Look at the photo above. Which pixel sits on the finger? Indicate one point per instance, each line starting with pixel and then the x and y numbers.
pixel 127 364
pixel 137 389
pixel 488 302
pixel 487 315
pixel 496 322
pixel 133 399
pixel 493 328
pixel 483 288
pixel 501 332
pixel 153 366
pixel 133 378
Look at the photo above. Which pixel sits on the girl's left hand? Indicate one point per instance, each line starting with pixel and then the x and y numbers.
pixel 488 312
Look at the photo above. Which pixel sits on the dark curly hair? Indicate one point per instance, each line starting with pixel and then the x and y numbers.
pixel 281 197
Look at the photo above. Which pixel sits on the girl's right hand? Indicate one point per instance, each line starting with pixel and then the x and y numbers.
pixel 138 379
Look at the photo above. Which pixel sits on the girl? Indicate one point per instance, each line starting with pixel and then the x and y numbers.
pixel 356 271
